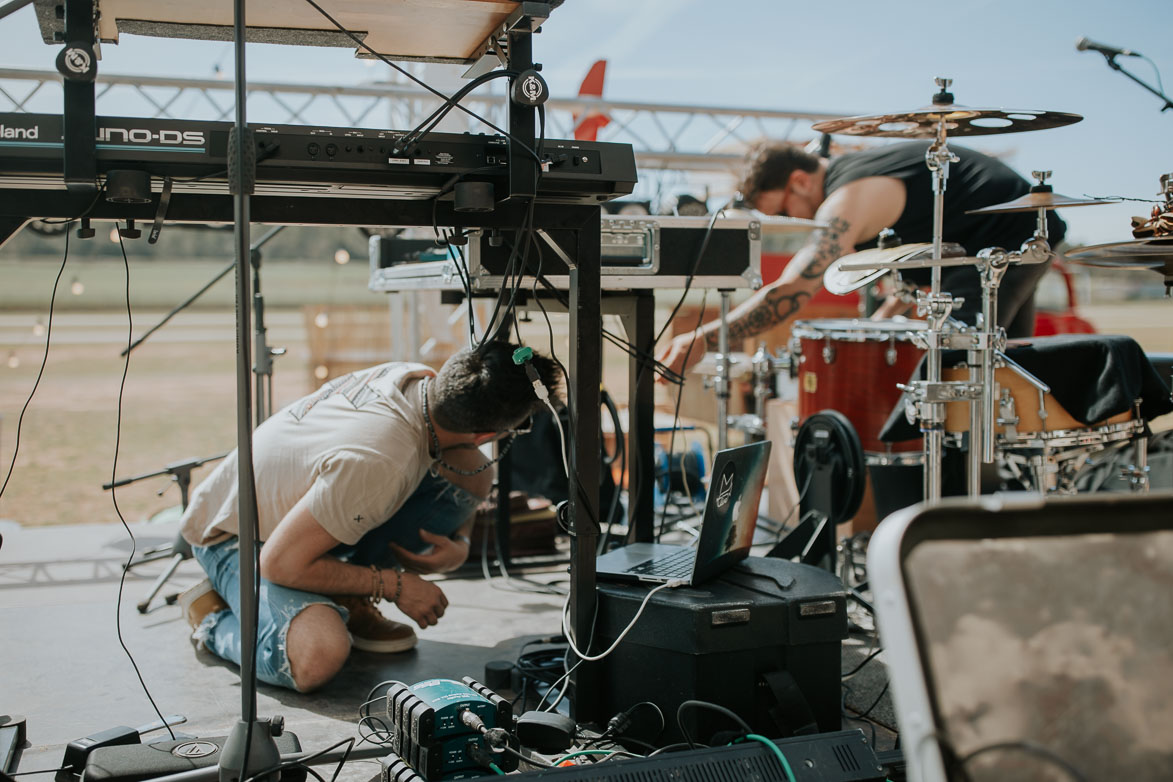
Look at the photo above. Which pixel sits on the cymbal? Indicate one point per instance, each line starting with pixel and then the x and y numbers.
pixel 905 256
pixel 1033 201
pixel 1155 253
pixel 959 121
pixel 740 365
pixel 779 224
pixel 840 281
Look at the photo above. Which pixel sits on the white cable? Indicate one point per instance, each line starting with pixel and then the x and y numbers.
pixel 676 582
pixel 561 435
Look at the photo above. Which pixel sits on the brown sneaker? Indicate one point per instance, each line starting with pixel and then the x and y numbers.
pixel 198 601
pixel 370 630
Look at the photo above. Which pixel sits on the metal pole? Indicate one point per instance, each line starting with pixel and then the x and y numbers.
pixel 721 383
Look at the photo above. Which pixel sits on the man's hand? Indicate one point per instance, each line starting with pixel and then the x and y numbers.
pixel 446 554
pixel 681 353
pixel 421 600
pixel 891 307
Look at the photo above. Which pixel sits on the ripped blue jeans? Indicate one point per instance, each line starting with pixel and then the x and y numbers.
pixel 436 505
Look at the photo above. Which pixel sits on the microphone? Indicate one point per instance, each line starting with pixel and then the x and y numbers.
pixel 1084 44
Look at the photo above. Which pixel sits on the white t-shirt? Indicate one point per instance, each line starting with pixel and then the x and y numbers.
pixel 357 447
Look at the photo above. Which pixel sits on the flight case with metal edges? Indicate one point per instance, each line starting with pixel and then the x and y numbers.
pixel 636 253
pixel 762 640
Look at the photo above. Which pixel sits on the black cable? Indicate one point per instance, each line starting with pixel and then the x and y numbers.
pixel 44 361
pixel 311 772
pixel 531 760
pixel 676 416
pixel 695 704
pixel 114 492
pixel 864 714
pixel 1032 748
pixel 348 742
pixel 859 667
pixel 363 45
pixel 48 329
pixel 38 771
pixel 432 120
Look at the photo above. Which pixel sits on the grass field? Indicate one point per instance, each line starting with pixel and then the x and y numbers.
pixel 179 399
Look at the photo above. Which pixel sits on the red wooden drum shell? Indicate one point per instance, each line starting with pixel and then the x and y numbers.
pixel 853 366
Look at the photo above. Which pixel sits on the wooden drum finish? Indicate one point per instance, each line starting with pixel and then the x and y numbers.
pixel 853 366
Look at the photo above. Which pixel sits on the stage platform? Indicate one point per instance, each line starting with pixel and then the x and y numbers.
pixel 64 671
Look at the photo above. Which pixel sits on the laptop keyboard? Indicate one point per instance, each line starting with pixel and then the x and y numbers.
pixel 675 565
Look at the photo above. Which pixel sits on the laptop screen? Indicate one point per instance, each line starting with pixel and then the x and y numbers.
pixel 1044 638
pixel 731 510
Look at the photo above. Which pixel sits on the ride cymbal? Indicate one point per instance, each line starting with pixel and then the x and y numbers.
pixel 1155 253
pixel 959 121
pixel 1034 201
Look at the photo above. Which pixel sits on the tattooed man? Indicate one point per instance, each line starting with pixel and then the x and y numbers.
pixel 857 195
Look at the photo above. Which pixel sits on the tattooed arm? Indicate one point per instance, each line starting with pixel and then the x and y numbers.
pixel 852 214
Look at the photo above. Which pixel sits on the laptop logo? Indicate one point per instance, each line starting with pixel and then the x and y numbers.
pixel 725 488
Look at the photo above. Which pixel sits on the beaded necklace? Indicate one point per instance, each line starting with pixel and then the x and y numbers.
pixel 437 460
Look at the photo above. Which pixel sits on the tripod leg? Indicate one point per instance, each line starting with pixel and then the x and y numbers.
pixel 160 581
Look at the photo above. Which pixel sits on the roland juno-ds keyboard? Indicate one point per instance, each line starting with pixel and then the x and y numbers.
pixel 310 161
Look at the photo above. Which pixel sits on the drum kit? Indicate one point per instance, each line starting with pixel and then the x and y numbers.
pixel 862 367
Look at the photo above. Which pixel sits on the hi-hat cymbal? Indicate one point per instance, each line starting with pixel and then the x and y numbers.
pixel 959 121
pixel 740 365
pixel 1154 253
pixel 905 256
pixel 779 224
pixel 1033 201
pixel 840 281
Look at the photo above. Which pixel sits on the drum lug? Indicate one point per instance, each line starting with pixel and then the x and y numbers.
pixel 1007 415
pixel 828 352
pixel 890 354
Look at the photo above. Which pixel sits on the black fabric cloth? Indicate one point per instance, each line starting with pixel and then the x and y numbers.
pixel 1093 376
pixel 975 181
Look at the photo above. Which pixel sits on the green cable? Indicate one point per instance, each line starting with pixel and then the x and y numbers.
pixel 777 753
pixel 496 768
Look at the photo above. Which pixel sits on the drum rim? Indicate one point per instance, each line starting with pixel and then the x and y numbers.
pixel 857 329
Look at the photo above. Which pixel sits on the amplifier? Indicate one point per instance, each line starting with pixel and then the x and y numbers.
pixel 636 253
pixel 763 640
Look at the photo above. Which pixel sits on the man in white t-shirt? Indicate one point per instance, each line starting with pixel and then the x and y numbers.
pixel 361 487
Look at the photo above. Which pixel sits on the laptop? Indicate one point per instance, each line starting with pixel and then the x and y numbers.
pixel 727 527
pixel 1029 638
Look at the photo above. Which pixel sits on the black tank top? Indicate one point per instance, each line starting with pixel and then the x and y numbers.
pixel 976 181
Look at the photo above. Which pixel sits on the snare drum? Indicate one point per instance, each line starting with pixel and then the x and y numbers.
pixel 853 366
pixel 1028 418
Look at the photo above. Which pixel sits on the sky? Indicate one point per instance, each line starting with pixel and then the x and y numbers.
pixel 849 57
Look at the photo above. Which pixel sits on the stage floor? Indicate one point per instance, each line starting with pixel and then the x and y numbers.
pixel 64 670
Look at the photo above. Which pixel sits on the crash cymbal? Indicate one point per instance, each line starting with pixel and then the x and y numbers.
pixel 1036 200
pixel 905 256
pixel 959 121
pixel 1155 253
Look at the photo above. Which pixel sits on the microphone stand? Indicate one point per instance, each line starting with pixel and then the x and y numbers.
pixel 1111 60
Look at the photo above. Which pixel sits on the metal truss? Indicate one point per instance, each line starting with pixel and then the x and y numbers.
pixel 678 147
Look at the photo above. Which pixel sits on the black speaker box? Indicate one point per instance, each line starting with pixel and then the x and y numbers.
pixel 136 762
pixel 762 640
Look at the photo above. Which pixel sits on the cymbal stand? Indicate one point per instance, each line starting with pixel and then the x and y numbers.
pixel 936 307
pixel 179 549
pixel 721 381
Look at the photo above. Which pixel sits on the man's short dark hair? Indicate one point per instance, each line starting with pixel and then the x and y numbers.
pixel 769 166
pixel 484 391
